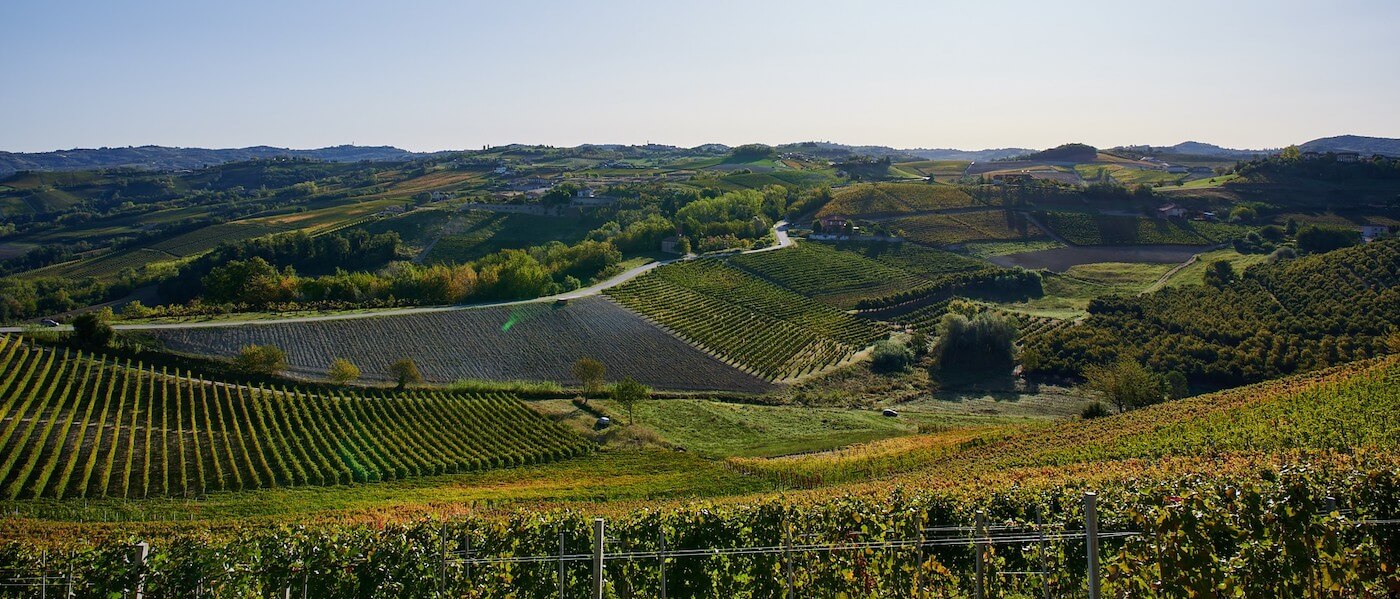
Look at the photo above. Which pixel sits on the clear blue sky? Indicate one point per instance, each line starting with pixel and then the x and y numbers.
pixel 451 75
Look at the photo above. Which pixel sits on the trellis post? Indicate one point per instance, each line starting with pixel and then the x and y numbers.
pixel 599 530
pixel 1044 567
pixel 787 558
pixel 1091 538
pixel 661 534
pixel 979 528
pixel 561 561
pixel 143 550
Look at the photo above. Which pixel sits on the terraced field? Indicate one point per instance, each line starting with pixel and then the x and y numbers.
pixel 963 227
pixel 534 341
pixel 890 199
pixel 772 332
pixel 77 426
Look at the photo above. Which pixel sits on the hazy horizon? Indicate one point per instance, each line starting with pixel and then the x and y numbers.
pixel 450 76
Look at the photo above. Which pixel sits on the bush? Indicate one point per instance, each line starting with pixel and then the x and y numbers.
pixel 891 356
pixel 1093 410
pixel 405 373
pixel 985 340
pixel 1126 384
pixel 260 359
pixel 1315 239
pixel 91 330
pixel 342 371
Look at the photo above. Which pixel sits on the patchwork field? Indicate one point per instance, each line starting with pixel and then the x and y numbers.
pixel 208 238
pixel 75 426
pixel 476 233
pixel 532 341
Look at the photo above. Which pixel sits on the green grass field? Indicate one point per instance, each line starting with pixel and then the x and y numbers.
pixel 1193 273
pixel 1067 294
pixel 473 234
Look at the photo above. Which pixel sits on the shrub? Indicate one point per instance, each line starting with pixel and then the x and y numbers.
pixel 260 359
pixel 891 356
pixel 405 373
pixel 342 371
pixel 1093 410
pixel 91 330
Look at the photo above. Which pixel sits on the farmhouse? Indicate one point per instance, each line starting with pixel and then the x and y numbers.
pixel 1171 211
pixel 830 224
pixel 587 197
pixel 671 245
pixel 1012 177
pixel 1347 156
pixel 1177 169
pixel 438 196
pixel 1371 232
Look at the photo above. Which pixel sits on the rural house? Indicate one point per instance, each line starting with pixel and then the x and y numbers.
pixel 1171 211
pixel 1371 232
pixel 830 224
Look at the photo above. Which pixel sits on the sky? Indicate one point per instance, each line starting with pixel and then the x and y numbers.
pixel 459 75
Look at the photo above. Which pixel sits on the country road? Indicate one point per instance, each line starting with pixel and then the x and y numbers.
pixel 779 233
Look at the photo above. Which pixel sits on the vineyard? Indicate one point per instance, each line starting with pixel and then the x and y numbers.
pixel 106 266
pixel 888 199
pixel 769 331
pixel 824 273
pixel 1203 497
pixel 532 341
pixel 79 426
pixel 963 227
pixel 208 238
pixel 1096 229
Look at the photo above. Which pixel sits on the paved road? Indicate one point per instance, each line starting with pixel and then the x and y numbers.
pixel 779 231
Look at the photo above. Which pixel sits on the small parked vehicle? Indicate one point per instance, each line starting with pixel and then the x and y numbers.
pixel 888 413
pixel 49 322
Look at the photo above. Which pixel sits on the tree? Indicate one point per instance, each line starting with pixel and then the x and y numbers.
pixel 1175 385
pixel 627 393
pixel 986 339
pixel 891 356
pixel 1219 274
pixel 919 342
pixel 91 330
pixel 342 371
pixel 590 372
pixel 1125 383
pixel 1315 239
pixel 260 359
pixel 1291 153
pixel 405 373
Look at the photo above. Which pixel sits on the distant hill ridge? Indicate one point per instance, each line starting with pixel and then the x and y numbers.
pixel 1360 144
pixel 169 158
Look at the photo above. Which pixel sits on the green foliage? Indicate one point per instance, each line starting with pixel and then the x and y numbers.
pixel 1316 239
pixel 891 356
pixel 589 372
pixel 627 393
pixel 1276 319
pixel 90 329
pixel 986 339
pixel 1220 273
pixel 260 359
pixel 341 371
pixel 1125 384
pixel 405 372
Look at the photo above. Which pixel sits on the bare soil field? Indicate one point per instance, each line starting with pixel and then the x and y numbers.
pixel 536 341
pixel 1061 259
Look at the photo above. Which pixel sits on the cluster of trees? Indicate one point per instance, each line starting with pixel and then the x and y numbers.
pixel 983 282
pixel 293 252
pixel 1274 319
pixel 985 340
pixel 1126 385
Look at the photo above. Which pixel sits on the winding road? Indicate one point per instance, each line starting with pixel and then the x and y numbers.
pixel 779 233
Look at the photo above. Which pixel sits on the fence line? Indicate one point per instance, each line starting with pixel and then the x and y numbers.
pixel 980 536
